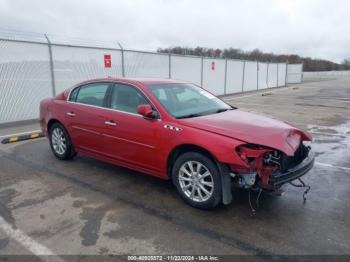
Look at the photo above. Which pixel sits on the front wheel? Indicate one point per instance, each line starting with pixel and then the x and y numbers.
pixel 60 142
pixel 197 180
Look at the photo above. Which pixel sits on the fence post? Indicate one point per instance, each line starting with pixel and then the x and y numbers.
pixel 225 85
pixel 243 76
pixel 169 65
pixel 302 72
pixel 277 74
pixel 257 75
pixel 53 86
pixel 202 61
pixel 286 80
pixel 267 75
pixel 122 52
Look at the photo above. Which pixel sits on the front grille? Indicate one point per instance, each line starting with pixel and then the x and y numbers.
pixel 288 162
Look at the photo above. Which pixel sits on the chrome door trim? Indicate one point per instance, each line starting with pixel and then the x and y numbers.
pixel 86 130
pixel 129 141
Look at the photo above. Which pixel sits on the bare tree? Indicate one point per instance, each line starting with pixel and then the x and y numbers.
pixel 310 64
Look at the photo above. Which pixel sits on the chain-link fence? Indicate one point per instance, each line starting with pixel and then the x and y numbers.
pixel 33 67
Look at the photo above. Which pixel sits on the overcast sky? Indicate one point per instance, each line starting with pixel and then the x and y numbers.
pixel 315 28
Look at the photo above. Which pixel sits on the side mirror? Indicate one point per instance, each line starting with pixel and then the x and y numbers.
pixel 145 110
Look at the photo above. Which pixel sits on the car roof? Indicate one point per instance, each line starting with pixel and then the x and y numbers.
pixel 144 81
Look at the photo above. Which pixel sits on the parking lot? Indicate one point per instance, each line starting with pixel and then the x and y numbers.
pixel 85 206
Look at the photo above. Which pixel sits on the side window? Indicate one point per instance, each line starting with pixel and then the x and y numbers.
pixel 92 94
pixel 73 94
pixel 126 98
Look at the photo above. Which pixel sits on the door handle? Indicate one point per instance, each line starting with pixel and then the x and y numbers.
pixel 110 123
pixel 71 114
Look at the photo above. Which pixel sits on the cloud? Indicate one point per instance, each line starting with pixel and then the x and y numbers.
pixel 314 28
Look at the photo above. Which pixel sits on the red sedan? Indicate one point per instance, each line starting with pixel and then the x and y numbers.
pixel 175 130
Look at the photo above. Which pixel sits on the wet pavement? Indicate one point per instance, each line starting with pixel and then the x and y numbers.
pixel 85 206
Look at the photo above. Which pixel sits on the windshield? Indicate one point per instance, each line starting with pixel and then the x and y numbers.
pixel 187 100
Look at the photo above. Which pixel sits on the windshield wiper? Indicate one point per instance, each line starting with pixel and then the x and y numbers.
pixel 223 110
pixel 189 116
pixel 207 113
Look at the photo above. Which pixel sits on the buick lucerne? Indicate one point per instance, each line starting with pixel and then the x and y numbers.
pixel 179 131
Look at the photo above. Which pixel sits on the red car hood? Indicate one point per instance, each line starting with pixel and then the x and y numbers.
pixel 251 128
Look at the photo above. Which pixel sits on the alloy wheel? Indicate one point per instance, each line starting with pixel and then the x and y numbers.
pixel 58 140
pixel 196 181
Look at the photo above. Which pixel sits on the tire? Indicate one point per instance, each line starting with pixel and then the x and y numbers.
pixel 191 189
pixel 60 142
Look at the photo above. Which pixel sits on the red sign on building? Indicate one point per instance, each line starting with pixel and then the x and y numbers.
pixel 107 61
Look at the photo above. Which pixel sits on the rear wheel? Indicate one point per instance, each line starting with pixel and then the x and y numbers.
pixel 60 142
pixel 197 180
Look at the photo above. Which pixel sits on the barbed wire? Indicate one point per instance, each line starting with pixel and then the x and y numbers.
pixel 11 34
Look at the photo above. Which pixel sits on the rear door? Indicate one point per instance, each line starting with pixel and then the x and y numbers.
pixel 86 116
pixel 131 138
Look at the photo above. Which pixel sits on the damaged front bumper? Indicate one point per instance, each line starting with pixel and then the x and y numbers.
pixel 277 179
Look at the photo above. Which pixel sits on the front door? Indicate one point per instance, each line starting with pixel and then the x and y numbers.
pixel 131 138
